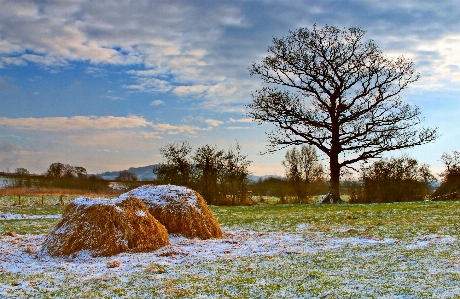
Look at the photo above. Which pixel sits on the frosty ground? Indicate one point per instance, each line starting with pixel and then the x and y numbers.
pixel 271 251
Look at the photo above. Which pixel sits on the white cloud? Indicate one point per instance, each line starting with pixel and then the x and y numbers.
pixel 156 102
pixel 213 122
pixel 446 61
pixel 237 128
pixel 47 60
pixel 149 85
pixel 114 98
pixel 224 89
pixel 75 123
pixel 149 135
pixel 173 130
pixel 12 61
pixel 9 48
pixel 115 140
pixel 145 73
pixel 190 90
pixel 95 71
pixel 241 120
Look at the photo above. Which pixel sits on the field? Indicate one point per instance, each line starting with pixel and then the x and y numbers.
pixel 400 250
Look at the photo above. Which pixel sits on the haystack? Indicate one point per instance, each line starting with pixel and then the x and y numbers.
pixel 181 210
pixel 105 227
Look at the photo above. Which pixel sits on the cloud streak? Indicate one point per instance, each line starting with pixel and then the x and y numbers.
pixel 75 123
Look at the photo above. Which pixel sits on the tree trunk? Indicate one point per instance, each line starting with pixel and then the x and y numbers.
pixel 335 180
pixel 334 193
pixel 334 159
pixel 334 164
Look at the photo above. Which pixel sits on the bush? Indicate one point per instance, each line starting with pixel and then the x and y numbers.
pixel 450 184
pixel 394 180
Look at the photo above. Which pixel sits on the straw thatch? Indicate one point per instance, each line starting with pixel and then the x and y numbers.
pixel 105 227
pixel 181 210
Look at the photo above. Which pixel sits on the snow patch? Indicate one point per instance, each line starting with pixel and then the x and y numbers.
pixel 86 201
pixel 429 240
pixel 164 194
pixel 141 213
pixel 10 216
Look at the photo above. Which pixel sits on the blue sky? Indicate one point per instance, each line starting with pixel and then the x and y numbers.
pixel 104 84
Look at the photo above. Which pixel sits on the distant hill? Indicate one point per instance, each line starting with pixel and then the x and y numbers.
pixel 146 173
pixel 255 178
pixel 143 173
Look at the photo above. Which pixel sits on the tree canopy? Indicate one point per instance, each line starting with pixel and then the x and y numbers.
pixel 331 89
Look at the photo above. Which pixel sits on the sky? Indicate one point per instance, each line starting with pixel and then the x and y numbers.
pixel 105 84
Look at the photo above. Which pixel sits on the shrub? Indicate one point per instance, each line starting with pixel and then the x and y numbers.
pixel 450 184
pixel 394 180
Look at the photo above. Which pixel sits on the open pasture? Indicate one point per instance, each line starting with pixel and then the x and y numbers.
pixel 400 250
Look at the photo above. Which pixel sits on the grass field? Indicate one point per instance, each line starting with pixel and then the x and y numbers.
pixel 400 250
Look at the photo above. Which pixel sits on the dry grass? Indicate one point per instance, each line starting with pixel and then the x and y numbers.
pixel 181 210
pixel 105 228
pixel 55 191
pixel 113 264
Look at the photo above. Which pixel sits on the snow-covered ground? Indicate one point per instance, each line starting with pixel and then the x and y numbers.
pixel 19 253
pixel 364 266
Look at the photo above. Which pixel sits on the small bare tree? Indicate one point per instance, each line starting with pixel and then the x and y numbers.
pixel 340 94
pixel 303 170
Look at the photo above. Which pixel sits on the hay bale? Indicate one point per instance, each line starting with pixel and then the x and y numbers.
pixel 181 210
pixel 105 227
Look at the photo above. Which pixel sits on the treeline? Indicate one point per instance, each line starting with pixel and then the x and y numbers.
pixel 59 175
pixel 221 176
pixel 404 179
pixel 450 178
pixel 396 179
pixel 400 179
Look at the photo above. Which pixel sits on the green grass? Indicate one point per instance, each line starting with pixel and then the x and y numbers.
pixel 34 210
pixel 397 220
pixel 384 271
pixel 27 226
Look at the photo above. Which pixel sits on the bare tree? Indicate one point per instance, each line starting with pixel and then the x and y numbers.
pixel 60 170
pixel 303 170
pixel 126 176
pixel 22 171
pixel 338 93
pixel 56 170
